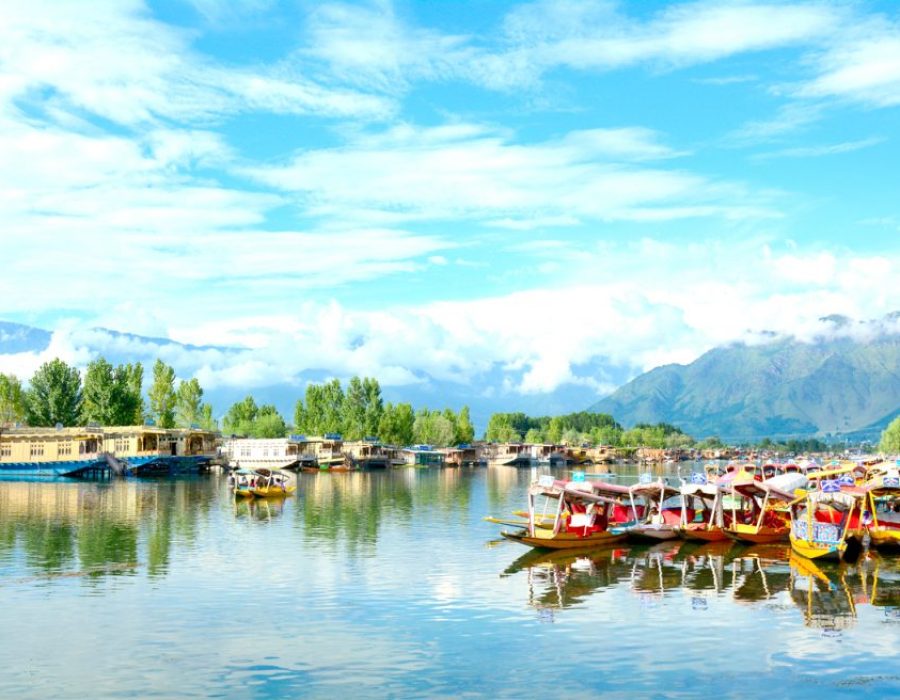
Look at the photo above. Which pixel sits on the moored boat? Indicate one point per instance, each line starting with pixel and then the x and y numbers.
pixel 656 509
pixel 702 516
pixel 273 483
pixel 760 510
pixel 572 514
pixel 883 509
pixel 826 524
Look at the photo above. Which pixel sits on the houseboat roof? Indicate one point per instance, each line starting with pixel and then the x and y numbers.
pixel 50 432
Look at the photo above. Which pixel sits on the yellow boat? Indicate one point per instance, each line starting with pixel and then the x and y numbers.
pixel 273 483
pixel 242 482
pixel 882 519
pixel 826 524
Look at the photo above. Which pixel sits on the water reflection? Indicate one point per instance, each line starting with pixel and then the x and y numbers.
pixel 98 529
pixel 827 595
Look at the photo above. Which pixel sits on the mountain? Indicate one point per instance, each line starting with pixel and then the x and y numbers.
pixel 844 382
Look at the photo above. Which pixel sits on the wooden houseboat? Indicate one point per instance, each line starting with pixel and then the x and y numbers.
pixel 51 452
pixel 292 452
pixel 150 451
pixel 424 456
pixel 369 454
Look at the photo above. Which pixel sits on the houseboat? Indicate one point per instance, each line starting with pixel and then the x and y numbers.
pixel 151 451
pixel 424 456
pixel 291 452
pixel 52 452
pixel 369 453
pixel 328 451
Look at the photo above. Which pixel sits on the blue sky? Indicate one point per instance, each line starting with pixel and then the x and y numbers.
pixel 506 196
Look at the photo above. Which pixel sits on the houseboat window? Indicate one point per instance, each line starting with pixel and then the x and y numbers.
pixel 121 444
pixel 65 448
pixel 37 449
pixel 5 450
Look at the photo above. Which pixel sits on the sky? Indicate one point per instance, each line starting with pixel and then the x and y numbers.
pixel 512 198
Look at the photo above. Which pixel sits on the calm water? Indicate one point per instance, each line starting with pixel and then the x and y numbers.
pixel 391 585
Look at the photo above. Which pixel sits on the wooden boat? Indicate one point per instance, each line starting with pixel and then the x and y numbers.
pixel 273 483
pixel 242 483
pixel 825 524
pixel 702 516
pixel 661 513
pixel 572 515
pixel 760 510
pixel 882 514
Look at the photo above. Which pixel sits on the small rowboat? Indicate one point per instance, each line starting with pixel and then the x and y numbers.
pixel 273 483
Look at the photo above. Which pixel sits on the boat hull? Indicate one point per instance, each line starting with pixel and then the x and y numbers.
pixel 752 535
pixel 70 468
pixel 274 491
pixel 702 533
pixel 882 538
pixel 563 540
pixel 650 533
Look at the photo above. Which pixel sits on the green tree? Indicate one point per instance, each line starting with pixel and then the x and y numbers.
pixel 188 402
pixel 332 407
pixel 12 400
pixel 534 437
pixel 890 438
pixel 268 423
pixel 555 430
pixel 132 401
pixel 374 406
pixel 300 417
pixel 207 422
pixel 465 431
pixel 54 395
pixel 112 395
pixel 396 426
pixel 240 417
pixel 433 428
pixel 500 429
pixel 162 395
pixel 353 410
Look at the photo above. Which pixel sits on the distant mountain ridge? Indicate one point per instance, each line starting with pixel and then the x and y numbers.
pixel 843 382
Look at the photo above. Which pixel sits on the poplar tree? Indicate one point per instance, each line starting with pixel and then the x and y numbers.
pixel 188 401
pixel 162 395
pixel 12 400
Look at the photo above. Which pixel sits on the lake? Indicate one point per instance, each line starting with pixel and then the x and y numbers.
pixel 391 585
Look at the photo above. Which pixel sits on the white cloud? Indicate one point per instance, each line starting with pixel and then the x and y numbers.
pixel 635 305
pixel 472 171
pixel 823 150
pixel 863 65
pixel 111 59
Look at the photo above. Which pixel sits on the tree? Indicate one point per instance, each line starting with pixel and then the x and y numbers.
pixel 188 401
pixel 12 400
pixel 162 395
pixel 207 422
pixel 374 406
pixel 332 406
pixel 396 426
pixel 240 417
pixel 132 402
pixel 300 417
pixel 433 428
pixel 534 437
pixel 268 423
pixel 500 429
pixel 465 431
pixel 353 410
pixel 54 395
pixel 890 438
pixel 112 395
pixel 555 430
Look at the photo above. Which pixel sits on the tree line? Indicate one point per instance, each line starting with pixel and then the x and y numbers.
pixel 580 428
pixel 106 395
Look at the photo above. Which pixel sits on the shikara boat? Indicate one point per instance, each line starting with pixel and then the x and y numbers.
pixel 760 510
pixel 882 515
pixel 569 514
pixel 242 482
pixel 702 516
pixel 660 514
pixel 273 483
pixel 825 524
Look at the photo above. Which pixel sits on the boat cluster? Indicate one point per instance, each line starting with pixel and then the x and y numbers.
pixel 261 483
pixel 831 512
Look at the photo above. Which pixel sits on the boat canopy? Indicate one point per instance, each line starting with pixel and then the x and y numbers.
pixel 839 499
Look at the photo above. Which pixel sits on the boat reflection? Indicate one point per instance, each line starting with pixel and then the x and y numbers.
pixel 827 595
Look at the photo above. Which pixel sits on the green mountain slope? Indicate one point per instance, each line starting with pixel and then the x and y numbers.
pixel 778 389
